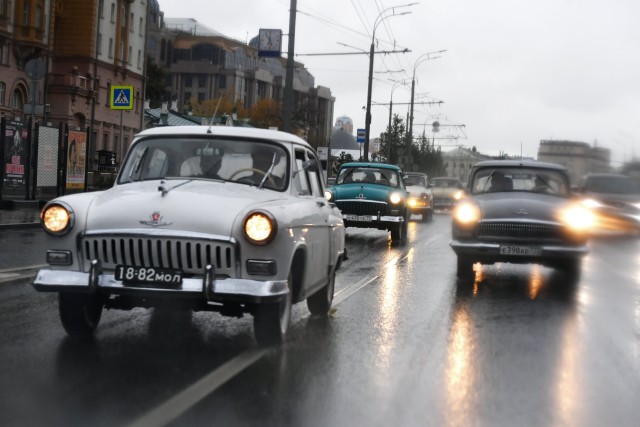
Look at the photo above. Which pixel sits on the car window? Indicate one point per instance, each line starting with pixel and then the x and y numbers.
pixel 534 180
pixel 301 179
pixel 250 162
pixel 367 175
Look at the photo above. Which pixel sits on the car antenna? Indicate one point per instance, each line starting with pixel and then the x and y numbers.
pixel 214 115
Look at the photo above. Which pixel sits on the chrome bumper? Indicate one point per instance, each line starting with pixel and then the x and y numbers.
pixel 243 290
pixel 371 218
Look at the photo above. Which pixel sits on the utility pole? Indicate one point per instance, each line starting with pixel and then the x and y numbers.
pixel 288 86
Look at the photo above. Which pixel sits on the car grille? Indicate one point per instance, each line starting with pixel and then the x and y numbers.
pixel 190 256
pixel 362 208
pixel 518 230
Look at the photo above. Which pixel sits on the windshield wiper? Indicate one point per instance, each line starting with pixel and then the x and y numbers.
pixel 138 165
pixel 266 175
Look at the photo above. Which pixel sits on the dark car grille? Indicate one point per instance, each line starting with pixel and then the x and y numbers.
pixel 518 230
pixel 363 208
pixel 190 256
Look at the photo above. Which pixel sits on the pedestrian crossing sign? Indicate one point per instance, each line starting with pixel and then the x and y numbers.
pixel 121 98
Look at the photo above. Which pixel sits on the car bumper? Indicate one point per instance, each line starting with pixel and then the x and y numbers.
pixel 368 219
pixel 490 252
pixel 208 288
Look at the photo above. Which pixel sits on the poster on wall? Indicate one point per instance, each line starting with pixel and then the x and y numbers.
pixel 15 155
pixel 76 154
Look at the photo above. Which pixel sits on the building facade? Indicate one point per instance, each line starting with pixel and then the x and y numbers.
pixel 578 157
pixel 201 64
pixel 459 161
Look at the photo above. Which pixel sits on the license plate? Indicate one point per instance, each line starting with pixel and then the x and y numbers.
pixel 520 250
pixel 129 274
pixel 365 218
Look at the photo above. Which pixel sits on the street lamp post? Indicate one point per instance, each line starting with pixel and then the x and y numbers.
pixel 381 17
pixel 422 58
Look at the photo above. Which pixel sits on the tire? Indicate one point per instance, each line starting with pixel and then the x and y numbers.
pixel 80 313
pixel 319 303
pixel 271 321
pixel 398 233
pixel 465 267
pixel 571 269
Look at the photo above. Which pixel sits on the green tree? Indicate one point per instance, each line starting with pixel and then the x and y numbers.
pixel 156 85
pixel 339 161
pixel 392 140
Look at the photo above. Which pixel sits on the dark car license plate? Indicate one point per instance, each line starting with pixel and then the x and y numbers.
pixel 521 250
pixel 129 274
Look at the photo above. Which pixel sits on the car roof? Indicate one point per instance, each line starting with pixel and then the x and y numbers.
pixel 370 165
pixel 256 133
pixel 518 163
pixel 416 173
pixel 607 175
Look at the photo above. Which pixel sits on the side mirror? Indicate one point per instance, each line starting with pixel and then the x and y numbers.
pixel 310 165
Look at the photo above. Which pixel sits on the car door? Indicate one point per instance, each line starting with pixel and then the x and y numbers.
pixel 317 213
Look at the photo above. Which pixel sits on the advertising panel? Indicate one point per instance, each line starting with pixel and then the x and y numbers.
pixel 76 155
pixel 16 155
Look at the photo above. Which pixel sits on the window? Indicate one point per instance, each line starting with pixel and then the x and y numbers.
pixel 188 80
pixel 4 54
pixel 2 90
pixel 129 56
pixel 108 93
pixel 101 8
pixel 2 8
pixel 105 141
pixel 314 178
pixel 16 100
pixel 187 97
pixel 301 181
pixel 222 82
pixel 131 24
pixel 202 80
pixel 26 11
pixel 113 13
pixel 141 27
pixel 99 44
pixel 139 59
pixel 39 17
pixel 111 48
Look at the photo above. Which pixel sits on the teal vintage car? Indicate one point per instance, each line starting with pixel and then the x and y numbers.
pixel 372 195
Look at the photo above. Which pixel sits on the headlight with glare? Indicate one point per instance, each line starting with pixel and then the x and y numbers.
pixel 57 218
pixel 466 213
pixel 328 194
pixel 395 198
pixel 259 227
pixel 577 217
pixel 458 195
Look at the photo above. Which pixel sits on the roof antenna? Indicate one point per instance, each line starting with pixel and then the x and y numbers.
pixel 214 115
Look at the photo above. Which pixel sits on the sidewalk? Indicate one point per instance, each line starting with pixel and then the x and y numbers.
pixel 23 214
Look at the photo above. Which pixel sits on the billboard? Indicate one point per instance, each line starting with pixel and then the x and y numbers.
pixel 16 153
pixel 76 159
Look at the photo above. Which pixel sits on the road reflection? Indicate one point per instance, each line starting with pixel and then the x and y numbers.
pixel 513 338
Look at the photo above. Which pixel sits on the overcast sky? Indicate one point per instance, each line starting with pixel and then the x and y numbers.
pixel 514 72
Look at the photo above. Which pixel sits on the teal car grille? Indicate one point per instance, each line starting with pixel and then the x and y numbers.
pixel 363 208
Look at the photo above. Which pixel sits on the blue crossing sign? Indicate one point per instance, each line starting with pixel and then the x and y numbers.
pixel 361 136
pixel 121 98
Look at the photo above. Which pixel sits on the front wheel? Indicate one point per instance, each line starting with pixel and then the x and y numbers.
pixel 319 303
pixel 271 321
pixel 79 313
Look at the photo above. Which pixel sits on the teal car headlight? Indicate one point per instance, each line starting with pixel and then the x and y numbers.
pixel 396 198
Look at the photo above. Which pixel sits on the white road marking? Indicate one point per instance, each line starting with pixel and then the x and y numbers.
pixel 181 402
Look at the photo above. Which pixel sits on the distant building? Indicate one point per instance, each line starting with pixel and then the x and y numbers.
pixel 202 64
pixel 579 158
pixel 345 123
pixel 458 162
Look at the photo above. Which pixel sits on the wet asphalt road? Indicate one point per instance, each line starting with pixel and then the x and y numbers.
pixel 407 345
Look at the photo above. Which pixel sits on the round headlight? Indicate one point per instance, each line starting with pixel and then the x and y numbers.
pixel 395 198
pixel 56 218
pixel 466 213
pixel 328 195
pixel 577 217
pixel 458 195
pixel 259 227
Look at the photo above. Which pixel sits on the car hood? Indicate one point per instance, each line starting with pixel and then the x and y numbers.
pixel 519 206
pixel 417 190
pixel 444 191
pixel 362 191
pixel 198 206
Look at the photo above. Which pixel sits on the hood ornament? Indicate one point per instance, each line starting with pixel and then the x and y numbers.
pixel 521 212
pixel 155 220
pixel 361 196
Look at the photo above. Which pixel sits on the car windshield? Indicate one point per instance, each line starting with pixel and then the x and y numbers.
pixel 445 183
pixel 533 180
pixel 416 180
pixel 247 162
pixel 612 184
pixel 367 175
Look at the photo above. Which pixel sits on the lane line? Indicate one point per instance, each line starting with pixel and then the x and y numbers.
pixel 181 402
pixel 189 397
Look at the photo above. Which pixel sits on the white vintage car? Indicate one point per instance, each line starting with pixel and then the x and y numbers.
pixel 223 219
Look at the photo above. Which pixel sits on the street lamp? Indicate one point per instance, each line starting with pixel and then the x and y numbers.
pixel 381 17
pixel 422 58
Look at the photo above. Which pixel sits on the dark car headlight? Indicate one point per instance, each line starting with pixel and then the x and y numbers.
pixel 466 214
pixel 577 217
pixel 57 218
pixel 259 227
